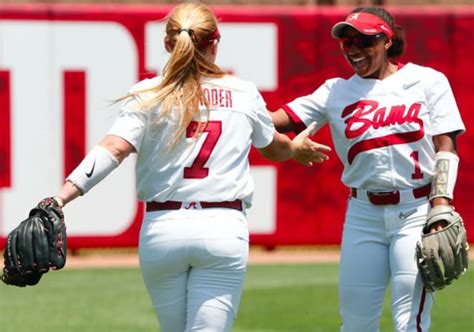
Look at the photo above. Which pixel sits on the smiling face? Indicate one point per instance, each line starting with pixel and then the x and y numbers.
pixel 367 54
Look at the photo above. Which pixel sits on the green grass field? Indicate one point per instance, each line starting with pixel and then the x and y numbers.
pixel 276 298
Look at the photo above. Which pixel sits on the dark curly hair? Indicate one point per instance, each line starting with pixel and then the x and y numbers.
pixel 398 40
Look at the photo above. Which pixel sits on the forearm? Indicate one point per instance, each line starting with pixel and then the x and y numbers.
pixel 67 193
pixel 301 148
pixel 97 165
pixel 446 165
pixel 281 149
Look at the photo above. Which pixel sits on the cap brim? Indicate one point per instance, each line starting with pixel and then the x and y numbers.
pixel 338 29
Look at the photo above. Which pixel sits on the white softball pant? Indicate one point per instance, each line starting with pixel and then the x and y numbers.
pixel 378 248
pixel 193 264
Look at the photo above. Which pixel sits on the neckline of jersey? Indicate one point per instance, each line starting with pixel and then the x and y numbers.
pixel 401 69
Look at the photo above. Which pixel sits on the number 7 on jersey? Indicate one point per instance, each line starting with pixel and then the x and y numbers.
pixel 197 169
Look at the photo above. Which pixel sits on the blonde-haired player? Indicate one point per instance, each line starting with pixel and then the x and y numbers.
pixel 192 129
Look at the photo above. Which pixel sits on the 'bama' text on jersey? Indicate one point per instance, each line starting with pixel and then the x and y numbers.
pixel 360 122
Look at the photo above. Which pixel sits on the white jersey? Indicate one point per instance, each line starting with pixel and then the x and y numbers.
pixel 383 129
pixel 212 168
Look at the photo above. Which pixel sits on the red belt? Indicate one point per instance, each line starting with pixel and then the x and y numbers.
pixel 173 205
pixel 392 197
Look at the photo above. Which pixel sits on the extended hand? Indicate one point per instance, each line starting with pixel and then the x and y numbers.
pixel 307 151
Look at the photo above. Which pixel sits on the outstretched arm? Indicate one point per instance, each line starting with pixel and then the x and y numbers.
pixel 301 148
pixel 99 163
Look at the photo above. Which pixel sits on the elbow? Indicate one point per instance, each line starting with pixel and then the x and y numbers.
pixel 118 147
pixel 119 154
pixel 446 142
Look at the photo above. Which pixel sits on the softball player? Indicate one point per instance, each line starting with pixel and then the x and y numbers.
pixel 394 128
pixel 192 130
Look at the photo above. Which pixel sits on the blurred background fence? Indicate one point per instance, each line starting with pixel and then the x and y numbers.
pixel 268 2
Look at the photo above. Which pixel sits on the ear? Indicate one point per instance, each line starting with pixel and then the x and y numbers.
pixel 168 45
pixel 214 47
pixel 388 44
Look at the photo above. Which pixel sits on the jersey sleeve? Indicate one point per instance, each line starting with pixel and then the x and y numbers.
pixel 262 125
pixel 444 112
pixel 132 120
pixel 307 109
pixel 130 123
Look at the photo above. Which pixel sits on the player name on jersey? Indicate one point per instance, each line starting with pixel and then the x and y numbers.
pixel 218 97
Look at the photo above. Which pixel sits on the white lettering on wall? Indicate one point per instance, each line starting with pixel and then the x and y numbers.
pixel 37 54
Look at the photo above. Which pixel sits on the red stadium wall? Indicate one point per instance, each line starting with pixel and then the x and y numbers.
pixel 310 202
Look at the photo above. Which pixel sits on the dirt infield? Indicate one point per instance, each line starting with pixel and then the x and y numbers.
pixel 284 255
pixel 113 258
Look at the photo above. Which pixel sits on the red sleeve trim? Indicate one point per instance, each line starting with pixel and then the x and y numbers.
pixel 300 126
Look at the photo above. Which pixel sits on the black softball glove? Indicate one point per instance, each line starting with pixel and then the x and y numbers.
pixel 36 245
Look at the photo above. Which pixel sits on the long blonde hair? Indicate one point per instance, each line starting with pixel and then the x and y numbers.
pixel 191 29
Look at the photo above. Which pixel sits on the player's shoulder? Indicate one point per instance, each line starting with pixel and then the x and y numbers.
pixel 139 93
pixel 423 73
pixel 232 82
pixel 336 82
pixel 146 84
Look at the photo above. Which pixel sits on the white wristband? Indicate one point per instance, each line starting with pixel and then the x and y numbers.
pixel 98 163
pixel 446 172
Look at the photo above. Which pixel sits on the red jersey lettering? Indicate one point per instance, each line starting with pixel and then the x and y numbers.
pixel 366 114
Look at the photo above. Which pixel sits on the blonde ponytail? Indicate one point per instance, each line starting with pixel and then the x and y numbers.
pixel 190 30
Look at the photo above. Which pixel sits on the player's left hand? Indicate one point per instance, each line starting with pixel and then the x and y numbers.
pixel 37 245
pixel 307 151
pixel 442 255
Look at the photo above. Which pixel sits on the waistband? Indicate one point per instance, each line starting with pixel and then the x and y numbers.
pixel 391 197
pixel 174 205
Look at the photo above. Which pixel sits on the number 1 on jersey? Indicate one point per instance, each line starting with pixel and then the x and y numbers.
pixel 417 175
pixel 197 169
